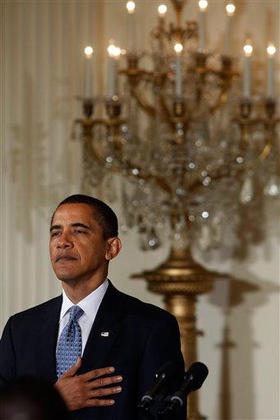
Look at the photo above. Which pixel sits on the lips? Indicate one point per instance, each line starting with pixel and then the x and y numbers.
pixel 65 258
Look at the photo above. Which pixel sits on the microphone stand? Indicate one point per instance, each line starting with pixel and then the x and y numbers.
pixel 146 415
pixel 160 415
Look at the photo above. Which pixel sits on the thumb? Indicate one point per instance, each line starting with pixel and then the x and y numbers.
pixel 73 369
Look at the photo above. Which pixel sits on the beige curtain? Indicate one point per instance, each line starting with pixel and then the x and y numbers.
pixel 41 76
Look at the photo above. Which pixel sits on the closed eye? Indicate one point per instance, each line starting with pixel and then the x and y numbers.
pixel 55 233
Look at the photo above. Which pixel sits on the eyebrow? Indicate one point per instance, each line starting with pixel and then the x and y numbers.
pixel 77 224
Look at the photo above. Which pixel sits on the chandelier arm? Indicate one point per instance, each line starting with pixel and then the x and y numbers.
pixel 245 123
pixel 143 103
pixel 88 125
pixel 226 74
pixel 192 187
pixel 90 122
pixel 148 177
pixel 167 114
pixel 266 150
pixel 226 173
pixel 128 166
pixel 270 132
pixel 162 183
pixel 93 150
pixel 222 99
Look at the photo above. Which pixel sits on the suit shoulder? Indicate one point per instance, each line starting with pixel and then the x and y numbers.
pixel 37 310
pixel 143 310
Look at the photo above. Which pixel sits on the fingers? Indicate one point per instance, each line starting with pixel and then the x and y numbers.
pixel 98 403
pixel 101 392
pixel 98 383
pixel 92 374
pixel 89 389
pixel 73 369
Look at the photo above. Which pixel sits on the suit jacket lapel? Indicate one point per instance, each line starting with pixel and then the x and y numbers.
pixel 104 331
pixel 48 338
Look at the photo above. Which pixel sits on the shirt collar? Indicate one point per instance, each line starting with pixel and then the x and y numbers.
pixel 89 304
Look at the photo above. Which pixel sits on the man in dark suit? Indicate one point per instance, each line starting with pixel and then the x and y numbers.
pixel 67 339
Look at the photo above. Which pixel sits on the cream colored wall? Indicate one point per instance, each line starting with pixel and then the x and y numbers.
pixel 41 75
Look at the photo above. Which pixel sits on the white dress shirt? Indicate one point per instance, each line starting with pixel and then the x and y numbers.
pixel 89 305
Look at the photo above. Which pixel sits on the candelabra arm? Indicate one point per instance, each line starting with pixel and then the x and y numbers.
pixel 266 150
pixel 88 124
pixel 245 122
pixel 129 166
pixel 94 152
pixel 225 74
pixel 222 99
pixel 166 111
pixel 143 103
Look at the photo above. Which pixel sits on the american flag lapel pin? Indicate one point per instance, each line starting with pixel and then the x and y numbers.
pixel 105 334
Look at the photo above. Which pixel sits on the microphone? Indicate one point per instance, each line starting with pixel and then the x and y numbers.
pixel 193 379
pixel 162 378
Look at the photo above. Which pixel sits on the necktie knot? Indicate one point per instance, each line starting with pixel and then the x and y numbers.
pixel 75 313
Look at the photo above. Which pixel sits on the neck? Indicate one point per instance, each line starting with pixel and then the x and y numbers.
pixel 78 289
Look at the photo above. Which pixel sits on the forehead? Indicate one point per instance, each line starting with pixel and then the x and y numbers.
pixel 74 212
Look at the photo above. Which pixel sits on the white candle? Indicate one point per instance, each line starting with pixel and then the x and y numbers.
pixel 131 36
pixel 230 9
pixel 88 71
pixel 114 53
pixel 111 76
pixel 271 50
pixel 178 74
pixel 202 24
pixel 248 49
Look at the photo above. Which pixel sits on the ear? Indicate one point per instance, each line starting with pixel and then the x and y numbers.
pixel 114 246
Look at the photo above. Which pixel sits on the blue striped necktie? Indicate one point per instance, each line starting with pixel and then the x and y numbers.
pixel 69 346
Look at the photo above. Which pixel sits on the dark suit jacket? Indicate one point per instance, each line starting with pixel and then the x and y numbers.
pixel 141 338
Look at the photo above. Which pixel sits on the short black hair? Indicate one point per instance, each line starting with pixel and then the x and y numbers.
pixel 103 214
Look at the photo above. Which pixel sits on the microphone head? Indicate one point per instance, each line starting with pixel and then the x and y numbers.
pixel 196 375
pixel 168 370
pixel 163 382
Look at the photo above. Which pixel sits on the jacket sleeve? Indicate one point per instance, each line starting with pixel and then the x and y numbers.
pixel 163 345
pixel 7 356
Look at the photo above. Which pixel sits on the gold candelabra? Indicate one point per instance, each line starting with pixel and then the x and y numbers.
pixel 197 161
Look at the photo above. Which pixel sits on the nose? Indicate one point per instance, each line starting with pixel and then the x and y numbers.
pixel 64 241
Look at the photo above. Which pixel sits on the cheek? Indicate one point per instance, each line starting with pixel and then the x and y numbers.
pixel 51 249
pixel 93 256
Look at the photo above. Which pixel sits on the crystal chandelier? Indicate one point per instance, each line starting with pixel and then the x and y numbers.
pixel 194 152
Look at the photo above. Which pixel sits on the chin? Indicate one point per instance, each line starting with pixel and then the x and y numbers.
pixel 66 279
pixel 65 276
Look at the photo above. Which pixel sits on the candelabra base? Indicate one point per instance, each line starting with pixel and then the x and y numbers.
pixel 180 279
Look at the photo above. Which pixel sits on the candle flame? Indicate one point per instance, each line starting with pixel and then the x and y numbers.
pixel 248 49
pixel 130 5
pixel 230 9
pixel 114 51
pixel 271 50
pixel 88 51
pixel 162 9
pixel 203 4
pixel 178 48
